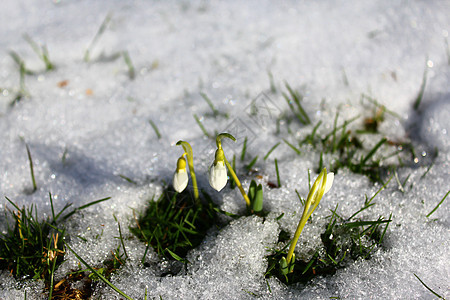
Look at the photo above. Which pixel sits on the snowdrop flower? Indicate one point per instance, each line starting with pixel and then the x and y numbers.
pixel 180 177
pixel 218 172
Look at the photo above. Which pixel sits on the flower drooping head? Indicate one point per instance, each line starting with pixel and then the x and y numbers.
pixel 180 177
pixel 218 171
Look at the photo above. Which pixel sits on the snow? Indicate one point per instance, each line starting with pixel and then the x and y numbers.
pixel 331 51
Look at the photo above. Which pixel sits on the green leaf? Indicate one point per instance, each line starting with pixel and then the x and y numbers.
pixel 257 202
pixel 176 257
pixel 252 191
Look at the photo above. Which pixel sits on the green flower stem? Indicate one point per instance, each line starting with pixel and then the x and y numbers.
pixel 190 157
pixel 233 174
pixel 238 183
pixel 314 197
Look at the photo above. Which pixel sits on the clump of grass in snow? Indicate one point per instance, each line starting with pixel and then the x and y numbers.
pixel 344 147
pixel 30 247
pixel 174 223
pixel 33 248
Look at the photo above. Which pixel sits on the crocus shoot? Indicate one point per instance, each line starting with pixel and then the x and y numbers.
pixel 218 173
pixel 180 178
pixel 320 187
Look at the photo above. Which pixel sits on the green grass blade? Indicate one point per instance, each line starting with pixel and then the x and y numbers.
pixel 428 288
pixel 31 168
pixel 273 88
pixel 121 238
pixel 13 204
pixel 372 152
pixel 200 124
pixel 364 223
pixel 293 147
pixel 99 33
pixel 210 104
pixel 85 206
pixel 128 179
pixel 129 63
pixel 252 163
pixel 52 273
pixel 439 204
pixel 158 134
pixel 244 149
pixel 51 204
pixel 176 257
pixel 422 88
pixel 278 173
pixel 271 150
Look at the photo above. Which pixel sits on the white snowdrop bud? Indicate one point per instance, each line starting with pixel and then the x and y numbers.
pixel 218 172
pixel 180 178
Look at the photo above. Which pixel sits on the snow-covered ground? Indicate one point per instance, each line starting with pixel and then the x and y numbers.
pixel 97 117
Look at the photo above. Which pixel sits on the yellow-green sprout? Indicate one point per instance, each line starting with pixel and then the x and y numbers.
pixel 320 187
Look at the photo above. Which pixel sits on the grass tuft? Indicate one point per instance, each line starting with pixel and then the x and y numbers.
pixel 344 148
pixel 32 248
pixel 174 223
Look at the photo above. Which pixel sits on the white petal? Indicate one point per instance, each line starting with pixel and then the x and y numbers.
pixel 180 180
pixel 218 176
pixel 330 178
